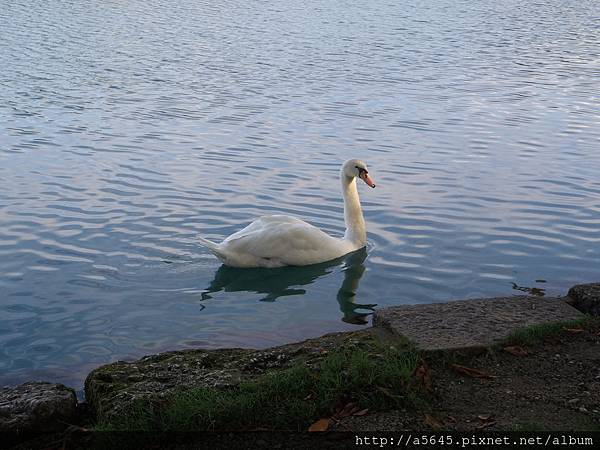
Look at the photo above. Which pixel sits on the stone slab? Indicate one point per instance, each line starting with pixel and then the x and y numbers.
pixel 471 323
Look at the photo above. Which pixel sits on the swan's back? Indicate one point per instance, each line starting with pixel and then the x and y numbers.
pixel 263 223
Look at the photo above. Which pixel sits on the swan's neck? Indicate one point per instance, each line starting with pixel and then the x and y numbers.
pixel 355 223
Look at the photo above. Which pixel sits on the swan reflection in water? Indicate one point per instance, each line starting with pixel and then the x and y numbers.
pixel 286 281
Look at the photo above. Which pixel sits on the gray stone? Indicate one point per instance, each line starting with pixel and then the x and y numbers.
pixel 36 406
pixel 113 388
pixel 586 298
pixel 471 323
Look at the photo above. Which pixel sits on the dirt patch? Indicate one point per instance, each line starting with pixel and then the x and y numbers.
pixel 555 386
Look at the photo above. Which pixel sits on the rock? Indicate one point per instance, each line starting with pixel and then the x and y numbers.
pixel 36 406
pixel 476 323
pixel 114 388
pixel 586 298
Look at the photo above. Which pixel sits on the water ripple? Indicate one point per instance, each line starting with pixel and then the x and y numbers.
pixel 133 127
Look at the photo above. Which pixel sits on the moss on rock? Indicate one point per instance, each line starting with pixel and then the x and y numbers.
pixel 114 390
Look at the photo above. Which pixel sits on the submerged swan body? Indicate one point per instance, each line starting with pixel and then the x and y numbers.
pixel 276 241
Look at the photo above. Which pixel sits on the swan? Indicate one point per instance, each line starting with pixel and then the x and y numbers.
pixel 278 240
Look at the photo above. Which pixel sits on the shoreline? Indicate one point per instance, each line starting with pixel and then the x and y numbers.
pixel 473 326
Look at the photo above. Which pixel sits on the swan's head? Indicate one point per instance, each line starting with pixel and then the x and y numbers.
pixel 355 168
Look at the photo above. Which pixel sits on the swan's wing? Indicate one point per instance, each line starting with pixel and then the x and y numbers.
pixel 263 223
pixel 284 240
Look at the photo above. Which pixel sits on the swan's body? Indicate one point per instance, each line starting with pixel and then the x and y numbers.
pixel 276 241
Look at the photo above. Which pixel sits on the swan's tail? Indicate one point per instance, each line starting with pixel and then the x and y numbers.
pixel 213 247
pixel 208 244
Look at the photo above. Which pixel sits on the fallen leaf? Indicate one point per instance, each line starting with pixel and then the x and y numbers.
pixel 76 429
pixel 319 425
pixel 385 391
pixel 516 350
pixel 486 424
pixel 451 419
pixel 423 375
pixel 471 372
pixel 432 422
pixel 484 417
pixel 574 330
pixel 346 411
pixel 362 412
pixel 310 396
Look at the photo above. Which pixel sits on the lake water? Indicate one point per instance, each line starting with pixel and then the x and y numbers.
pixel 130 128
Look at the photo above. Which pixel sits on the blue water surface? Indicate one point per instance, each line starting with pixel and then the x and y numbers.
pixel 127 129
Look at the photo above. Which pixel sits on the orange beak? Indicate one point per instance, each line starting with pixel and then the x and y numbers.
pixel 367 179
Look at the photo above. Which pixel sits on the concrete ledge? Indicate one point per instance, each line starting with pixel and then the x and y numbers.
pixel 471 323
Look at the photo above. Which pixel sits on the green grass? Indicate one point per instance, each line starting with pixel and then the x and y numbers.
pixel 537 333
pixel 288 399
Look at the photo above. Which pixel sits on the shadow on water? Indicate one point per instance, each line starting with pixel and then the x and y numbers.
pixel 287 281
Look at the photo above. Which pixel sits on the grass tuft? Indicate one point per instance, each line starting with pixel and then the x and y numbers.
pixel 537 333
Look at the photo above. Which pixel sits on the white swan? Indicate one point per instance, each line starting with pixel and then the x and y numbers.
pixel 276 241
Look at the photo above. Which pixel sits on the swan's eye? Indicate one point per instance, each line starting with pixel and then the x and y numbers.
pixel 361 171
